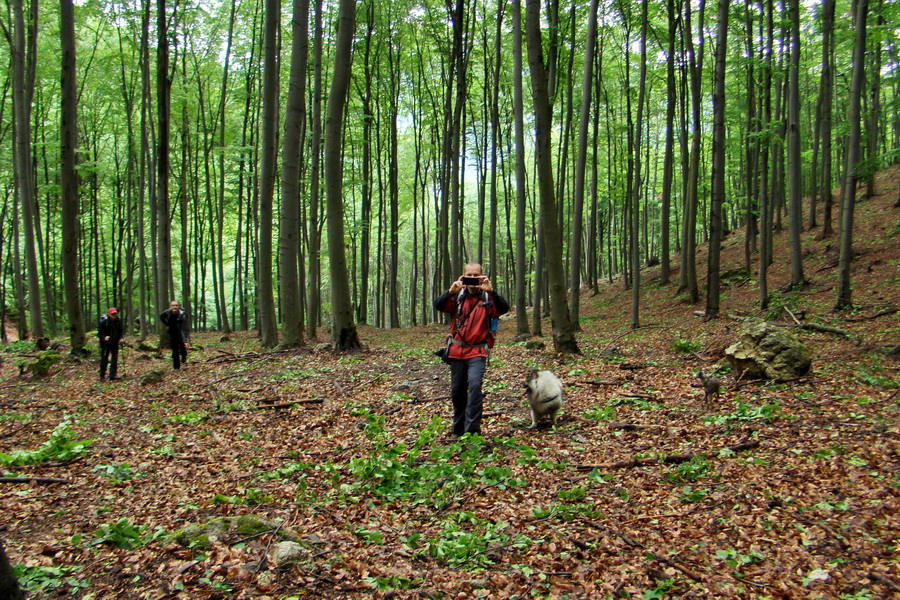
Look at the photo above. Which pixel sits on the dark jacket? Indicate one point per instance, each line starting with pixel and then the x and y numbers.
pixel 471 320
pixel 114 328
pixel 177 325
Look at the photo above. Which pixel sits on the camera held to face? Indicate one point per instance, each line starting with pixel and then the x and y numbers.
pixel 471 280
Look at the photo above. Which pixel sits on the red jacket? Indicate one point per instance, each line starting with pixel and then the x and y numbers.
pixel 471 320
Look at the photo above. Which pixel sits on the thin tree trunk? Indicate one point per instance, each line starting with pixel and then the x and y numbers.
pixel 268 150
pixel 22 51
pixel 521 182
pixel 291 156
pixel 718 165
pixel 581 164
pixel 315 241
pixel 793 113
pixel 826 89
pixel 848 193
pixel 68 134
pixel 164 289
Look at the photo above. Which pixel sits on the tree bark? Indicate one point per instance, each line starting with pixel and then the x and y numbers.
pixel 581 163
pixel 718 166
pixel 291 156
pixel 522 328
pixel 68 134
pixel 848 193
pixel 9 585
pixel 793 133
pixel 268 150
pixel 22 57
pixel 343 330
pixel 563 328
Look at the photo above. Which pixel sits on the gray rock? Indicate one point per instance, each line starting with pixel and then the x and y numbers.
pixel 151 377
pixel 288 554
pixel 768 352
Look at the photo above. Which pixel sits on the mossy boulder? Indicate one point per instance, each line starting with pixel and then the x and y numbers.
pixel 40 366
pixel 765 351
pixel 148 346
pixel 230 530
pixel 151 377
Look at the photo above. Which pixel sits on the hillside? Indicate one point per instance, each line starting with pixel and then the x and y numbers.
pixel 793 490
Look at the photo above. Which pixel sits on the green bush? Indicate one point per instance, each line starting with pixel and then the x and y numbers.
pixel 61 447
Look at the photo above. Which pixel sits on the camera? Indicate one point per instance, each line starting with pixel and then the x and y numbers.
pixel 471 281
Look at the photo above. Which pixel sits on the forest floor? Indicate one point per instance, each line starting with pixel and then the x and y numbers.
pixel 793 490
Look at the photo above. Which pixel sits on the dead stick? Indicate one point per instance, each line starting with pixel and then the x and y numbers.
pixel 885 580
pixel 33 480
pixel 667 459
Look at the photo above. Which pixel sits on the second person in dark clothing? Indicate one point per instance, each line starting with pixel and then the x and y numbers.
pixel 110 333
pixel 472 303
pixel 176 322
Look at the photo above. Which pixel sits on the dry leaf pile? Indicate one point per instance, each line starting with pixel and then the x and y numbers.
pixel 786 490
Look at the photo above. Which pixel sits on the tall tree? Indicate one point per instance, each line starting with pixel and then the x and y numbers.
pixel 826 89
pixel 581 163
pixel 669 152
pixel 313 281
pixel 852 164
pixel 164 287
pixel 343 330
pixel 519 134
pixel 563 328
pixel 638 184
pixel 268 151
pixel 793 133
pixel 718 165
pixel 23 44
pixel 688 274
pixel 289 235
pixel 68 136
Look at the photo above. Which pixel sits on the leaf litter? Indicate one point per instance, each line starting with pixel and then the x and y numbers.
pixel 776 490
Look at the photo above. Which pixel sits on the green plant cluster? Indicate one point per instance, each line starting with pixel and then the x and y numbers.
pixel 60 447
pixel 424 473
pixel 44 582
pixel 746 412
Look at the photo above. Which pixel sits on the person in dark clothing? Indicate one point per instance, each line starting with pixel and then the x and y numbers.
pixel 110 332
pixel 176 322
pixel 472 304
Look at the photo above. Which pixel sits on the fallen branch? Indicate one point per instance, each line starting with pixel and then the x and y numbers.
pixel 654 555
pixel 291 403
pixel 882 313
pixel 885 580
pixel 667 459
pixel 601 382
pixel 631 426
pixel 33 480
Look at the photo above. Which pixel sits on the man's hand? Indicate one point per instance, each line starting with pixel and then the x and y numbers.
pixel 486 284
pixel 106 339
pixel 456 286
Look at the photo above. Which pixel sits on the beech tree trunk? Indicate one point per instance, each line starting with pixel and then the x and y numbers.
pixel 848 193
pixel 289 236
pixel 68 134
pixel 343 330
pixel 563 328
pixel 266 297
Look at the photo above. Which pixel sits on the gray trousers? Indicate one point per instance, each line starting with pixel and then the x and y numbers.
pixel 466 376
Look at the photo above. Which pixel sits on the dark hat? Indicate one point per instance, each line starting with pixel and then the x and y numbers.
pixel 112 311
